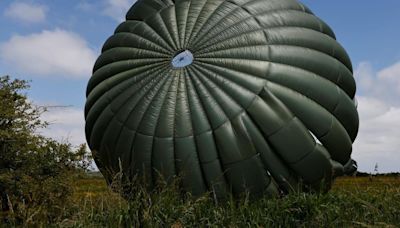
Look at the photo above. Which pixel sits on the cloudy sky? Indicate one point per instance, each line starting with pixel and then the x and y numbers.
pixel 55 43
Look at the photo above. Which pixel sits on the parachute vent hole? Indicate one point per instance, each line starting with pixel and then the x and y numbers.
pixel 182 59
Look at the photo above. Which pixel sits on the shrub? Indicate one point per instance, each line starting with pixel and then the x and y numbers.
pixel 35 171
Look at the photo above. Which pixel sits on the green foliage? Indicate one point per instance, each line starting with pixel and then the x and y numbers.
pixel 35 171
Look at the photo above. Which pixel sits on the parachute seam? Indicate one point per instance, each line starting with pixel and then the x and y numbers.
pixel 332 53
pixel 159 60
pixel 332 118
pixel 212 132
pixel 278 63
pixel 274 151
pixel 313 101
pixel 205 22
pixel 174 45
pixel 330 128
pixel 144 112
pixel 194 24
pixel 105 73
pixel 135 49
pixel 270 61
pixel 262 27
pixel 115 118
pixel 194 139
pixel 101 113
pixel 185 31
pixel 209 93
pixel 158 34
pixel 330 82
pixel 198 39
pixel 213 68
pixel 104 96
pixel 133 35
pixel 304 156
pixel 177 27
pixel 130 61
pixel 175 40
pixel 106 90
pixel 229 14
pixel 216 74
pixel 173 130
pixel 106 128
pixel 186 74
pixel 155 128
pixel 128 22
pixel 277 45
pixel 139 100
pixel 190 83
pixel 208 83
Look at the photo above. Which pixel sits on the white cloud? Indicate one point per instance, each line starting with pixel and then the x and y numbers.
pixel 383 85
pixel 379 109
pixel 85 6
pixel 66 124
pixel 392 76
pixel 117 9
pixel 26 12
pixel 391 73
pixel 49 53
pixel 378 139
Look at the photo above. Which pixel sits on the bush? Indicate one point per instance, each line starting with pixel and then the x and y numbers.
pixel 35 171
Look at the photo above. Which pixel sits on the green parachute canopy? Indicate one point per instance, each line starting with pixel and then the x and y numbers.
pixel 230 95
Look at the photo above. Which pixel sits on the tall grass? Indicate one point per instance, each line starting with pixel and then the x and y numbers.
pixel 358 202
pixel 353 202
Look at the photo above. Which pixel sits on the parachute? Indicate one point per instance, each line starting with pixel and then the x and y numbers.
pixel 232 96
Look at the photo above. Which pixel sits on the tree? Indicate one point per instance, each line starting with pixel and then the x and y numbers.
pixel 34 170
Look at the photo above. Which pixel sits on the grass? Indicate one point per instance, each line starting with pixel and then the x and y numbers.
pixel 353 202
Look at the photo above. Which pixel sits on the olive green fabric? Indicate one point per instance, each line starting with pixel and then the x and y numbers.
pixel 268 78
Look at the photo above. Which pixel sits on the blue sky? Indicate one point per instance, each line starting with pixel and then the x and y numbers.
pixel 369 30
pixel 54 44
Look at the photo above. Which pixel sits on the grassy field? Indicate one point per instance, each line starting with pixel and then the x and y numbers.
pixel 353 202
